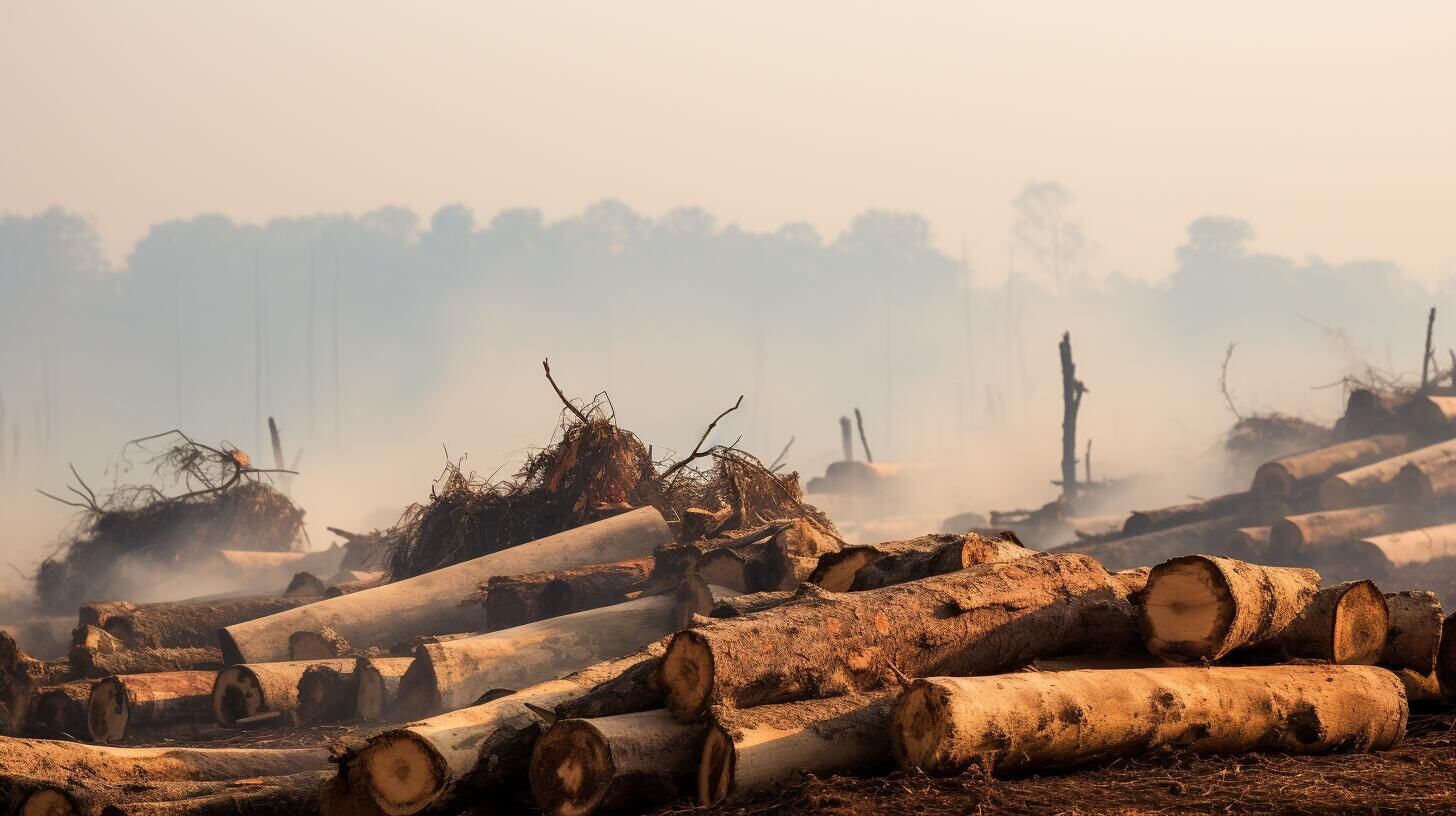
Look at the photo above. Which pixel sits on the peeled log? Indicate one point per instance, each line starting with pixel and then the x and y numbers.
pixel 748 750
pixel 1344 624
pixel 852 568
pixel 630 762
pixel 1373 483
pixel 989 618
pixel 516 600
pixel 377 685
pixel 1202 607
pixel 255 796
pixel 89 663
pixel 1296 535
pixel 454 674
pixel 245 692
pixel 1146 521
pixel 1379 554
pixel 404 770
pixel 1211 537
pixel 1422 483
pixel 60 711
pixel 733 606
pixel 1030 721
pixel 395 612
pixel 121 704
pixel 1414 638
pixel 179 624
pixel 1282 477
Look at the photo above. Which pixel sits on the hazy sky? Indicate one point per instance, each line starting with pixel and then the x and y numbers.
pixel 1331 126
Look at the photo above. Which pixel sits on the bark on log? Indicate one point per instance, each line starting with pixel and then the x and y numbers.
pixel 944 725
pixel 321 644
pixel 1211 537
pixel 256 796
pixel 59 712
pixel 695 596
pixel 1344 624
pixel 120 704
pixel 1373 483
pixel 327 692
pixel 1429 415
pixel 1288 475
pixel 404 770
pixel 854 568
pixel 1147 521
pixel 1298 535
pixel 178 624
pixel 991 617
pixel 1414 638
pixel 1378 555
pixel 631 762
pixel 88 663
pixel 732 607
pixel 1203 607
pixel 393 613
pixel 724 567
pixel 244 692
pixel 1423 483
pixel 377 685
pixel 749 750
pixel 454 674
pixel 790 557
pixel 516 600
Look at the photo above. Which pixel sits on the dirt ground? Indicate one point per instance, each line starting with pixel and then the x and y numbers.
pixel 1418 776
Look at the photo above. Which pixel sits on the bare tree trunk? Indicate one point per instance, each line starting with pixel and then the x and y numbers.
pixel 1072 391
pixel 1203 607
pixel 1344 624
pixel 854 568
pixel 120 704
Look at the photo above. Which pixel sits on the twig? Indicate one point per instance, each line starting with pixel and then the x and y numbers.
pixel 859 421
pixel 1429 356
pixel 1223 380
pixel 698 451
pixel 778 461
pixel 546 364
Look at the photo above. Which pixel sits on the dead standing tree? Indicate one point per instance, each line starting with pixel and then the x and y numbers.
pixel 1072 391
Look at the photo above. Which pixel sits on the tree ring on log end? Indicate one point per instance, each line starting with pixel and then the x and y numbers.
pixel 236 695
pixel 48 802
pixel 108 711
pixel 1361 621
pixel 571 769
pixel 687 674
pixel 405 772
pixel 917 723
pixel 1187 610
pixel 716 767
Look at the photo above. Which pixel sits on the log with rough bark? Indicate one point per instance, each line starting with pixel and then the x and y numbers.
pixel 328 692
pixel 59 712
pixel 1430 415
pixel 1422 484
pixel 754 749
pixel 630 762
pixel 695 596
pixel 20 676
pixel 1299 535
pixel 873 566
pixel 263 692
pixel 989 618
pixel 1030 721
pixel 256 796
pixel 735 605
pixel 1202 607
pixel 1212 537
pixel 1373 483
pixel 1146 521
pixel 405 770
pixel 88 663
pixel 1414 638
pixel 515 600
pixel 430 603
pixel 120 704
pixel 1288 475
pixel 454 674
pixel 1344 624
pixel 790 557
pixel 377 685
pixel 179 624
pixel 320 644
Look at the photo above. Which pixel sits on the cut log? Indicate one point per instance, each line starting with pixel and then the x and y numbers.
pixel 96 639
pixel 724 567
pixel 1344 624
pixel 397 611
pixel 1299 535
pixel 1421 688
pixel 404 770
pixel 698 522
pixel 749 750
pixel 790 557
pixel 989 618
pixel 733 606
pixel 1210 537
pixel 631 762
pixel 1284 477
pixel 695 596
pixel 179 624
pixel 305 585
pixel 454 674
pixel 516 600
pixel 1202 607
pixel 88 663
pixel 1253 542
pixel 1421 484
pixel 321 644
pixel 1414 638
pixel 1429 415
pixel 1030 721
pixel 255 796
pixel 1378 555
pixel 1373 483
pixel 120 704
pixel 377 685
pixel 327 692
pixel 59 712
pixel 245 692
pixel 847 569
pixel 1179 515
pixel 353 581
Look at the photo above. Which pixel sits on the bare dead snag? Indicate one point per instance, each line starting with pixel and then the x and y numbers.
pixel 120 704
pixel 628 762
pixel 1287 475
pixel 944 725
pixel 244 693
pixel 377 685
pixel 1344 624
pixel 1072 392
pixel 1202 607
pixel 1414 638
pixel 1374 483
pixel 515 600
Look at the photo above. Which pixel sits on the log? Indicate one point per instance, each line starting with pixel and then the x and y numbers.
pixel 1211 537
pixel 377 685
pixel 1253 542
pixel 178 624
pixel 749 750
pixel 1378 555
pixel 724 567
pixel 516 600
pixel 244 692
pixel 1446 654
pixel 1373 483
pixel 1147 521
pixel 355 581
pixel 1429 415
pixel 732 607
pixel 1344 624
pixel 790 557
pixel 256 796
pixel 1298 535
pixel 88 663
pixel 454 674
pixel 631 762
pixel 1421 688
pixel 120 704
pixel 394 612
pixel 328 692
pixel 846 569
pixel 305 585
pixel 321 644
pixel 1202 607
pixel 695 596
pixel 1031 721
pixel 1423 483
pixel 404 770
pixel 989 618
pixel 60 711
pixel 1369 411
pixel 96 639
pixel 1285 476
pixel 1414 638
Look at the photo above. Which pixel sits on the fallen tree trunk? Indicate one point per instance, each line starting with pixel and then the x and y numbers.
pixel 989 618
pixel 404 770
pixel 395 612
pixel 1179 515
pixel 376 682
pixel 630 762
pixel 516 600
pixel 244 693
pixel 454 674
pixel 321 644
pixel 59 712
pixel 1378 555
pixel 1284 477
pixel 1344 624
pixel 944 725
pixel 179 624
pixel 89 663
pixel 120 704
pixel 873 566
pixel 1296 535
pixel 1212 537
pixel 1369 411
pixel 1203 607
pixel 754 749
pixel 1414 638
pixel 327 692
pixel 1373 483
